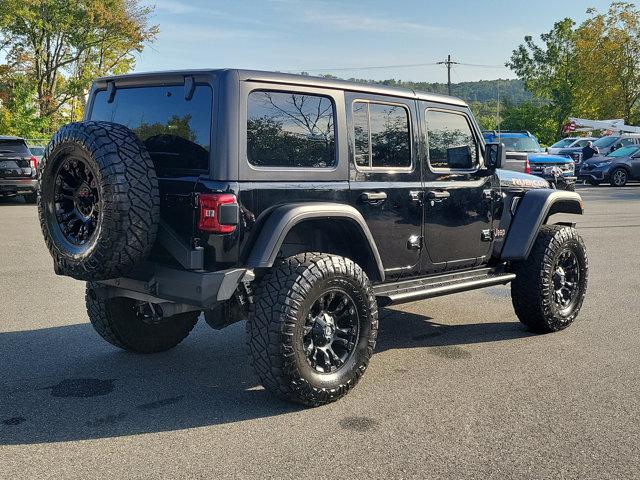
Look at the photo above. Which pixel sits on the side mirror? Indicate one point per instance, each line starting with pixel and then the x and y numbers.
pixel 495 155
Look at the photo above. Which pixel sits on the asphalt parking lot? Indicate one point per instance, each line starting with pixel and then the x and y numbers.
pixel 457 389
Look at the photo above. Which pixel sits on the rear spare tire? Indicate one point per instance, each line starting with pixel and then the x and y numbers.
pixel 99 204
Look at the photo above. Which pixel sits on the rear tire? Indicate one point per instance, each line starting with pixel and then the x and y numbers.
pixel 312 328
pixel 119 321
pixel 551 283
pixel 619 177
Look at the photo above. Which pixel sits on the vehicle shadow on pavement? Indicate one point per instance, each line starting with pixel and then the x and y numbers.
pixel 12 201
pixel 65 383
pixel 399 329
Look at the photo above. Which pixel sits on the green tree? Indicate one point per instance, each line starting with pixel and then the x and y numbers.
pixel 487 114
pixel 550 71
pixel 537 118
pixel 18 110
pixel 608 49
pixel 62 45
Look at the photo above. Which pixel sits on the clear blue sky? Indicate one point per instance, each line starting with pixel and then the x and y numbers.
pixel 330 34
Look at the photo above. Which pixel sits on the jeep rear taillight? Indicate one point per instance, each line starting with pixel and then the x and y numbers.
pixel 34 163
pixel 527 166
pixel 218 212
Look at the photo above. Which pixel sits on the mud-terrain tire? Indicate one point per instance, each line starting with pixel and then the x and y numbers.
pixel 540 293
pixel 99 204
pixel 570 187
pixel 618 177
pixel 120 322
pixel 299 313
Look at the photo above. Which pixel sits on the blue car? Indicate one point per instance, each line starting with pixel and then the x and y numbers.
pixel 524 154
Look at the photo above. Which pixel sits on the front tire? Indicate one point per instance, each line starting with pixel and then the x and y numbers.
pixel 619 177
pixel 122 323
pixel 551 283
pixel 312 328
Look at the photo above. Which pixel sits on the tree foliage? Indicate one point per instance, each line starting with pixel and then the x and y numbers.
pixel 591 70
pixel 58 47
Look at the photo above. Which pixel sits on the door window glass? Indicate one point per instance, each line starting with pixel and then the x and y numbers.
pixel 286 129
pixel 452 144
pixel 382 135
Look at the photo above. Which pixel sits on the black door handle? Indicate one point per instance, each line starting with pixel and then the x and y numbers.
pixel 373 197
pixel 415 196
pixel 438 194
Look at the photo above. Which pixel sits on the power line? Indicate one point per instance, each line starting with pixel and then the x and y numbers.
pixel 376 67
pixel 482 65
pixel 371 67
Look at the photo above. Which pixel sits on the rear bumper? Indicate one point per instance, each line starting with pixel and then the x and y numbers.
pixel 17 186
pixel 156 284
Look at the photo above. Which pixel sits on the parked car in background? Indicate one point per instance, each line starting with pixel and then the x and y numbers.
pixel 18 169
pixel 569 144
pixel 617 168
pixel 606 145
pixel 565 142
pixel 524 154
pixel 37 151
pixel 573 150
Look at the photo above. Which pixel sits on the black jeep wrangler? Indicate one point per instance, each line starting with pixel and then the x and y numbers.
pixel 299 204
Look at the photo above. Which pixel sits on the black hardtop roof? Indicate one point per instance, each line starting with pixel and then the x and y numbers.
pixel 172 76
pixel 9 137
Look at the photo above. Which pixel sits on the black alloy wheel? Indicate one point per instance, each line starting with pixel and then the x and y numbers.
pixel 77 200
pixel 566 278
pixel 331 331
pixel 312 327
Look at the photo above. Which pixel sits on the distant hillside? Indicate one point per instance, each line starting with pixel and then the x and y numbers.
pixel 481 91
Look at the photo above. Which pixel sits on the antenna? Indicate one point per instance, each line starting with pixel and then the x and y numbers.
pixel 498 110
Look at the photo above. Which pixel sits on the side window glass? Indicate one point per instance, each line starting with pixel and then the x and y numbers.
pixel 382 135
pixel 361 133
pixel 451 141
pixel 286 129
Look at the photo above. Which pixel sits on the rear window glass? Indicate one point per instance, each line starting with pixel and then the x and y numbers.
pixel 287 129
pixel 14 147
pixel 176 131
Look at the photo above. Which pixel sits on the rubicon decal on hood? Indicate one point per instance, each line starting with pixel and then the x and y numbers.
pixel 509 178
pixel 527 182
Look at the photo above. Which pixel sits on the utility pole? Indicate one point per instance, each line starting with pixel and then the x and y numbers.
pixel 448 62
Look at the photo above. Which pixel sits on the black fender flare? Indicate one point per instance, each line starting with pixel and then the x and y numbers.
pixel 533 211
pixel 282 219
